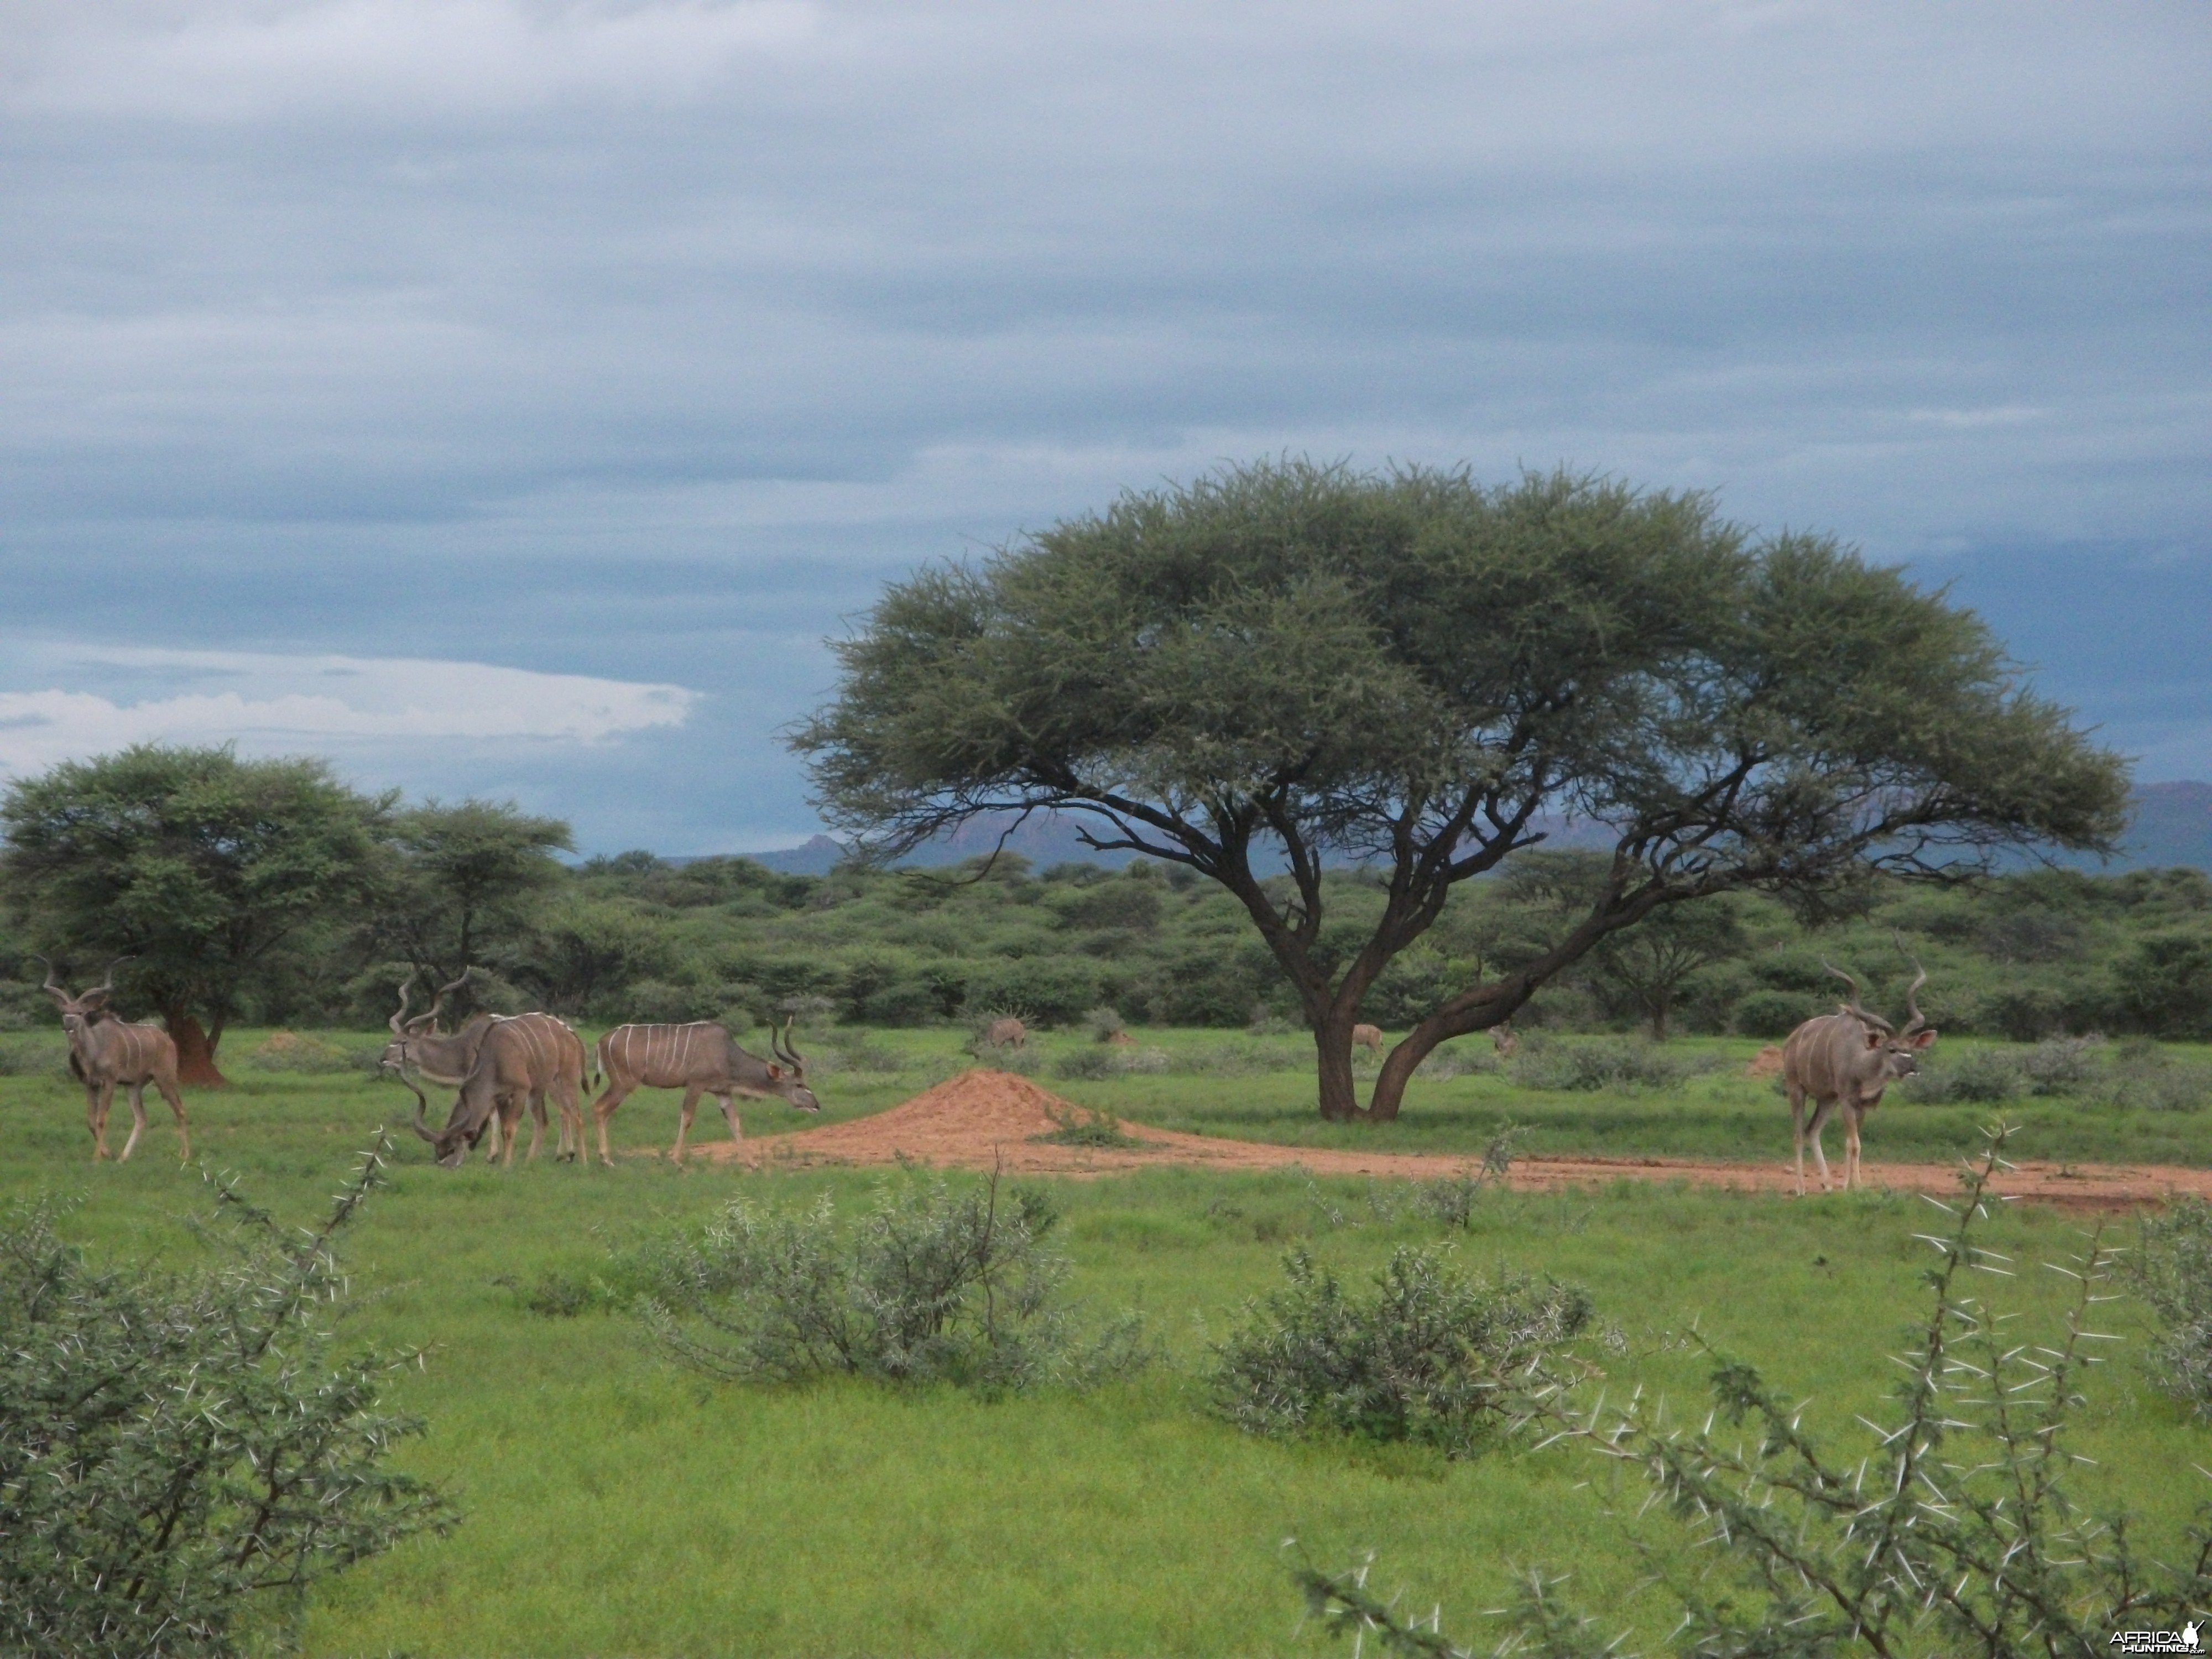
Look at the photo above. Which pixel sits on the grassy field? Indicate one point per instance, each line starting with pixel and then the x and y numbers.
pixel 616 1504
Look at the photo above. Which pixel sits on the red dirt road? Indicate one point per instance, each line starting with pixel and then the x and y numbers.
pixel 983 1116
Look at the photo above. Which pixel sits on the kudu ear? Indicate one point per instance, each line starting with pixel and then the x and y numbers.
pixel 775 1072
pixel 1874 1038
pixel 1921 1039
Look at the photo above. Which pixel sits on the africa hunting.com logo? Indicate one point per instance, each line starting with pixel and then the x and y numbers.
pixel 2184 1640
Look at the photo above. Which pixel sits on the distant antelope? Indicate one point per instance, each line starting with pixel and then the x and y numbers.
pixel 700 1058
pixel 1845 1061
pixel 1503 1039
pixel 514 1060
pixel 1369 1038
pixel 1007 1033
pixel 105 1051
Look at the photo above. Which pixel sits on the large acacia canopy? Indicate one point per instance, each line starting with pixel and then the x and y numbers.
pixel 1284 664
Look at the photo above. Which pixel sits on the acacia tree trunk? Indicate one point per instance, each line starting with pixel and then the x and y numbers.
pixel 195 1066
pixel 1340 1097
pixel 1424 1040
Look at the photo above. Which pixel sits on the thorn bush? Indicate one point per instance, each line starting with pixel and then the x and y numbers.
pixel 182 1458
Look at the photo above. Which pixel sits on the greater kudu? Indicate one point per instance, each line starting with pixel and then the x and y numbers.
pixel 1844 1061
pixel 106 1051
pixel 701 1059
pixel 499 1063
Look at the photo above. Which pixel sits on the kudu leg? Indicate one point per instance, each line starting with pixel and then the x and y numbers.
pixel 730 1111
pixel 603 1108
pixel 683 1127
pixel 1797 1133
pixel 537 1124
pixel 1851 1120
pixel 95 1117
pixel 177 1105
pixel 572 1124
pixel 1819 1157
pixel 137 1121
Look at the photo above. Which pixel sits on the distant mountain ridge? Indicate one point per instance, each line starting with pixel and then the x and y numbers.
pixel 2173 826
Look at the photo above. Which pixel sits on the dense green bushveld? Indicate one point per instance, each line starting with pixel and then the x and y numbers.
pixel 2023 958
pixel 616 1502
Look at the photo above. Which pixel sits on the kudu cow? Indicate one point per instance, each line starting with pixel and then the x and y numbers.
pixel 107 1052
pixel 1843 1062
pixel 1369 1038
pixel 701 1059
pixel 500 1064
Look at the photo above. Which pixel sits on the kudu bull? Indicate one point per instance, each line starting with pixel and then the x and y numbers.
pixel 106 1052
pixel 1844 1062
pixel 500 1064
pixel 700 1058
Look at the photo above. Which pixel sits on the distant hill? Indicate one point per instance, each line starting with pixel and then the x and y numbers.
pixel 2172 825
pixel 1044 839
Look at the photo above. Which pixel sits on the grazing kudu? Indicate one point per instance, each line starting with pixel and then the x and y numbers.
pixel 1007 1033
pixel 700 1058
pixel 1369 1038
pixel 1502 1039
pixel 107 1052
pixel 501 1064
pixel 1844 1062
pixel 419 1046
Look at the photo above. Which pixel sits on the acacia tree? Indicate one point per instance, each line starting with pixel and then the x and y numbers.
pixel 1283 665
pixel 199 866
pixel 461 884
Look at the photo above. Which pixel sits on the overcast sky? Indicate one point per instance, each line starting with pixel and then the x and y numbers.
pixel 506 397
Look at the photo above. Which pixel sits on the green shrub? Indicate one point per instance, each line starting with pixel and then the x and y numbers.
pixel 181 1459
pixel 1592 1066
pixel 934 1284
pixel 2174 1271
pixel 1457 1060
pixel 858 1052
pixel 2060 1066
pixel 35 1057
pixel 1086 1127
pixel 1949 1529
pixel 287 1051
pixel 1981 1075
pixel 1429 1357
pixel 2024 1013
pixel 1105 1024
pixel 1095 1065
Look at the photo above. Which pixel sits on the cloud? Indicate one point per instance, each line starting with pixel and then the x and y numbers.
pixel 607 335
pixel 266 703
pixel 242 60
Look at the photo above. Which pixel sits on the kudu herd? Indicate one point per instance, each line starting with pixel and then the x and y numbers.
pixel 1843 1062
pixel 108 1052
pixel 501 1064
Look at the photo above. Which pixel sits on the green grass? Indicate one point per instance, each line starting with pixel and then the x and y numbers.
pixel 614 1504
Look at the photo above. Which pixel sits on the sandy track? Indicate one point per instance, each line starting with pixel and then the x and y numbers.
pixel 982 1117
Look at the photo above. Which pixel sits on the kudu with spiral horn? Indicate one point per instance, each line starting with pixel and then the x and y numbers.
pixel 1843 1062
pixel 108 1052
pixel 700 1058
pixel 500 1064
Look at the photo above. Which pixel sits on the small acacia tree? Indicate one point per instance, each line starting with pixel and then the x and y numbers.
pixel 1285 664
pixel 460 888
pixel 199 866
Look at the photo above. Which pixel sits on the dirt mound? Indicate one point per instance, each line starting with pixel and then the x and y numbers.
pixel 983 1116
pixel 1767 1062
